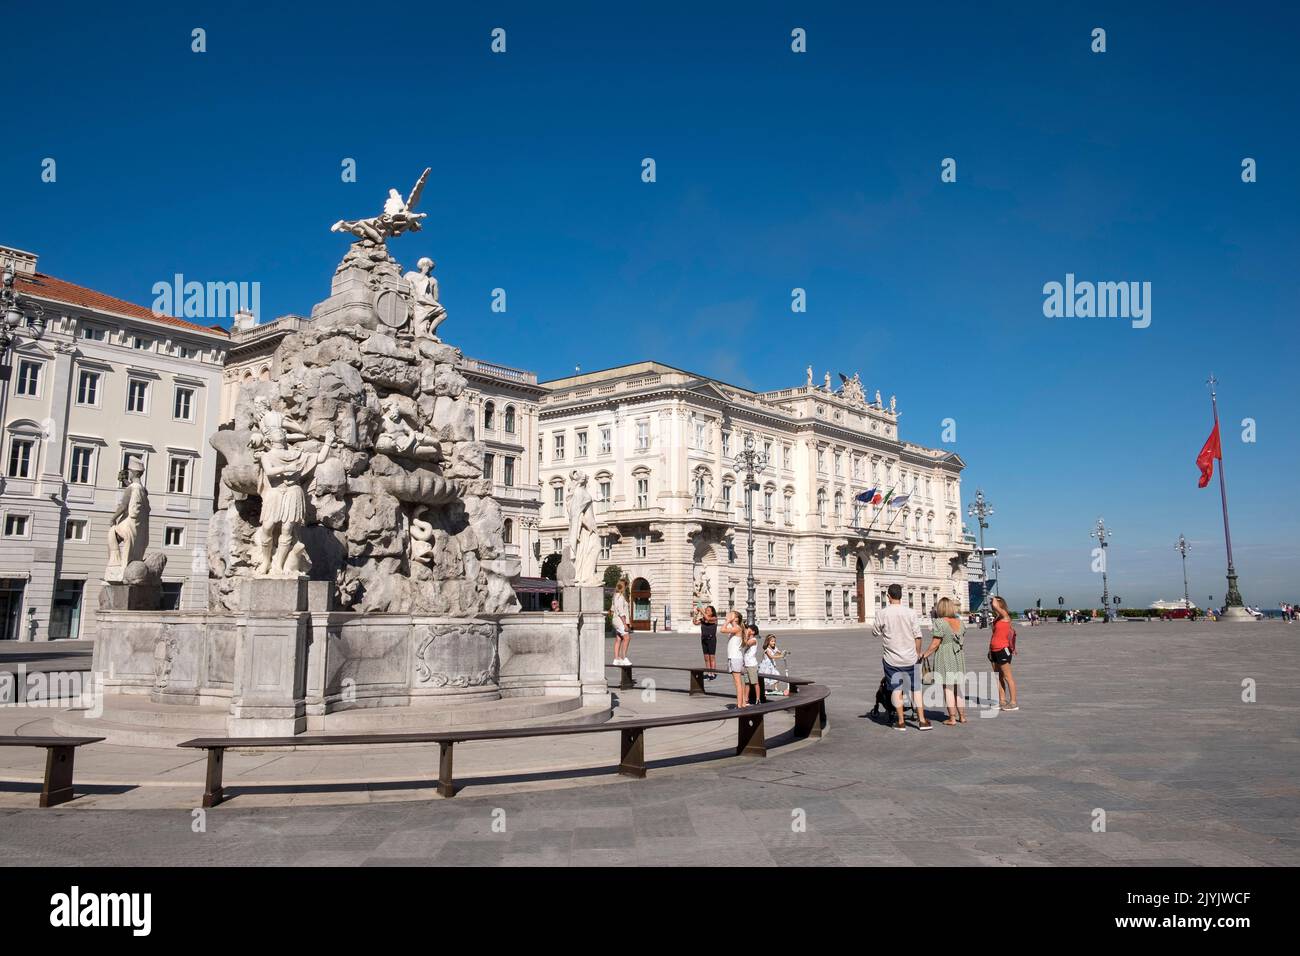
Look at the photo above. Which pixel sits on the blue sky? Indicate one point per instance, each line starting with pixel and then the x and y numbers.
pixel 775 171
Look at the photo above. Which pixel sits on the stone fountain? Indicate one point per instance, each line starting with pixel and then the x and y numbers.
pixel 358 576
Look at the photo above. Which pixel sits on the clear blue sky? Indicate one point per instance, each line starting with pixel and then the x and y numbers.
pixel 775 170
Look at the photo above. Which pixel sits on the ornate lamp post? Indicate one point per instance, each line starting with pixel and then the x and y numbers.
pixel 1102 535
pixel 997 576
pixel 1183 547
pixel 750 463
pixel 980 510
pixel 14 309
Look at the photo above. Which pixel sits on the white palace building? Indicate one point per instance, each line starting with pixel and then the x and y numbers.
pixel 658 446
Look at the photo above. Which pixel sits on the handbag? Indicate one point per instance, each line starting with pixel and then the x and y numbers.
pixel 927 671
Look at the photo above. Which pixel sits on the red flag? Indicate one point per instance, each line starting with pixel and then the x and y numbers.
pixel 1205 460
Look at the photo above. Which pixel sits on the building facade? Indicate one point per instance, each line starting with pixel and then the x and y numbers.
pixel 108 381
pixel 659 446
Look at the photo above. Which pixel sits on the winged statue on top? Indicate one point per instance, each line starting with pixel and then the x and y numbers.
pixel 398 217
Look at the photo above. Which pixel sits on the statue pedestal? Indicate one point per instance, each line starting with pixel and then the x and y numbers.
pixel 1236 614
pixel 270 680
pixel 589 602
pixel 116 596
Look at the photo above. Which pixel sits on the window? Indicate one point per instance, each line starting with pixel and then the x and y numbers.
pixel 821 461
pixel 731 599
pixel 839 506
pixel 789 508
pixel 821 505
pixel 701 491
pixel 183 405
pixel 640 546
pixel 16 526
pixel 508 472
pixel 137 397
pixel 141 343
pixel 87 387
pixel 510 419
pixel 171 595
pixel 604 489
pixel 29 379
pixel 767 504
pixel 726 443
pixel 173 536
pixel 726 495
pixel 604 547
pixel 826 555
pixel 187 351
pixel 846 603
pixel 557 499
pixel 829 603
pixel 76 529
pixel 489 416
pixel 582 444
pixel 508 531
pixel 701 436
pixel 606 441
pixel 642 436
pixel 65 610
pixel 643 492
pixel 786 454
pixel 489 466
pixel 558 447
pixel 771 602
pixel 81 467
pixel 789 554
pixel 839 459
pixel 767 449
pixel 93 333
pixel 178 476
pixel 789 603
pixel 22 457
pixel 844 559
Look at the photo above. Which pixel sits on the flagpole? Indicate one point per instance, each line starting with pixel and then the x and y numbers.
pixel 1233 598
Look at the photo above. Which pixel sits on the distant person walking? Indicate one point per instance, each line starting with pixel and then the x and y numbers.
pixel 707 618
pixel 900 639
pixel 1002 647
pixel 948 660
pixel 622 625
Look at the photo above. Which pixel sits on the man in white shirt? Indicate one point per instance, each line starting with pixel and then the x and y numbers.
pixel 900 637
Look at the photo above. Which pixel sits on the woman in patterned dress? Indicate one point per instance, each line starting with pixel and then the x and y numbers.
pixel 948 660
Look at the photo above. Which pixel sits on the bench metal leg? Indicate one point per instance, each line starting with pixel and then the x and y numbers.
pixel 792 688
pixel 810 720
pixel 751 741
pixel 213 792
pixel 446 784
pixel 697 683
pixel 626 683
pixel 632 756
pixel 57 787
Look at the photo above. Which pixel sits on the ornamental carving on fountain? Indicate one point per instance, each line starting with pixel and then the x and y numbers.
pixel 359 464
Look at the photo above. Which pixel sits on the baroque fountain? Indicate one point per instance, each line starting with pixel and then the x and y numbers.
pixel 357 573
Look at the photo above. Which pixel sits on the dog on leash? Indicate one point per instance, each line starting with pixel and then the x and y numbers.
pixel 884 693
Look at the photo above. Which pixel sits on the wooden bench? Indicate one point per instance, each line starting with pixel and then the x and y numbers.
pixel 696 688
pixel 809 721
pixel 59 754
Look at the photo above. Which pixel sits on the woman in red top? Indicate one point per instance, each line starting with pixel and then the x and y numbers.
pixel 1002 647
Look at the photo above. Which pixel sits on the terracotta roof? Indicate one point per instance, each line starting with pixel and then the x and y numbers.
pixel 44 286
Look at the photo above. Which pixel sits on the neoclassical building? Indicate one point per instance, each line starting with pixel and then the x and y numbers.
pixel 659 444
pixel 109 381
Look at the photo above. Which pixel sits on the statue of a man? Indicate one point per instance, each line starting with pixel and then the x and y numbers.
pixel 399 438
pixel 583 544
pixel 893 403
pixel 128 532
pixel 810 376
pixel 265 418
pixel 284 503
pixel 828 381
pixel 428 313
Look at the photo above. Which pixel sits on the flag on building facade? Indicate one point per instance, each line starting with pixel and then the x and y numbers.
pixel 899 501
pixel 867 496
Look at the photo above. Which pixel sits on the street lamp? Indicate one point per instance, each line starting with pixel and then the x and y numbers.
pixel 1102 536
pixel 980 509
pixel 997 576
pixel 1183 547
pixel 750 462
pixel 16 310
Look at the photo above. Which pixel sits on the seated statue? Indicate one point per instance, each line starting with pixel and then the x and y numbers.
pixel 400 439
pixel 428 313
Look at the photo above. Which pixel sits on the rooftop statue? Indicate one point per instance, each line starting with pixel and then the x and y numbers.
pixel 398 217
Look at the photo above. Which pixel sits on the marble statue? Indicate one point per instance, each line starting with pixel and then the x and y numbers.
pixel 703 589
pixel 879 404
pixel 828 381
pixel 398 217
pixel 893 403
pixel 266 418
pixel 583 543
pixel 128 531
pixel 810 376
pixel 852 389
pixel 284 471
pixel 421 532
pixel 428 313
pixel 400 439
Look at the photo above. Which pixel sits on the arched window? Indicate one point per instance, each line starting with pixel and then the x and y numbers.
pixel 510 419
pixel 508 531
pixel 489 416
pixel 821 503
pixel 839 506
